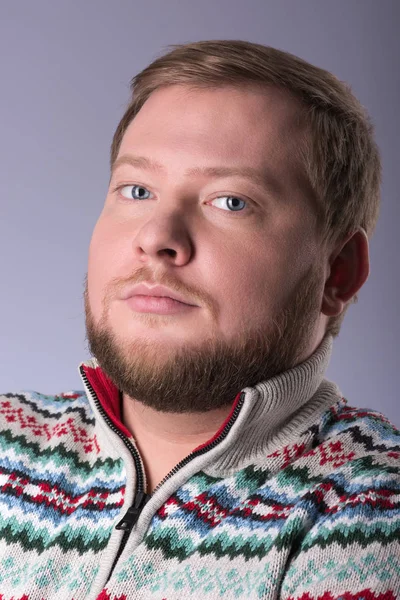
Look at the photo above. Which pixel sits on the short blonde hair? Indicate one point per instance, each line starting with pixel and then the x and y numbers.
pixel 340 156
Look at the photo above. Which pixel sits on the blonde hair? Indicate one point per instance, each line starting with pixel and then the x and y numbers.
pixel 340 156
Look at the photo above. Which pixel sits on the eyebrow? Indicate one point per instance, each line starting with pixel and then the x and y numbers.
pixel 264 179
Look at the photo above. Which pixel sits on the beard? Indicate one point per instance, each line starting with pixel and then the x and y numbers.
pixel 198 378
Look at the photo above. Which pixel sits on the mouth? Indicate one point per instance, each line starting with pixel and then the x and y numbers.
pixel 157 299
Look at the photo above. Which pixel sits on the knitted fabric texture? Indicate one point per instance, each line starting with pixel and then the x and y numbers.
pixel 297 497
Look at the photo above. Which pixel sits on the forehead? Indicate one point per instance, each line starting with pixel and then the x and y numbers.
pixel 250 112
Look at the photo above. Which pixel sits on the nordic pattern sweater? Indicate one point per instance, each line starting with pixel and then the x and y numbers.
pixel 296 497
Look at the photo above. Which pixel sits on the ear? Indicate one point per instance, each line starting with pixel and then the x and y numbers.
pixel 349 269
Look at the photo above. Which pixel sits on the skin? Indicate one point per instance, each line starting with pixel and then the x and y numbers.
pixel 237 267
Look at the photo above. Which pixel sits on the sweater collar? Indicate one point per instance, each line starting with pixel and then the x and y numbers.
pixel 279 410
pixel 271 410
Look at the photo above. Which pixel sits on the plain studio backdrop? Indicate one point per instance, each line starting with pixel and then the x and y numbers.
pixel 65 72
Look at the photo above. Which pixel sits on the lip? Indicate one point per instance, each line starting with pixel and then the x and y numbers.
pixel 155 291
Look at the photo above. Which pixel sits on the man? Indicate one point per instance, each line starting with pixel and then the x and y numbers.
pixel 208 457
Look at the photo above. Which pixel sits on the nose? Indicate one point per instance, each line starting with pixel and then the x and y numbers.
pixel 164 239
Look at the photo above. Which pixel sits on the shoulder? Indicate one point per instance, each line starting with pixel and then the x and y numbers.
pixel 43 405
pixel 360 432
pixel 43 419
pixel 342 417
pixel 355 448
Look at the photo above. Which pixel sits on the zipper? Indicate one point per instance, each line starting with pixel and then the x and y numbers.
pixel 132 515
pixel 207 447
pixel 141 498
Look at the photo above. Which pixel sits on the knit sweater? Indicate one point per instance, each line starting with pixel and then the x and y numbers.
pixel 296 497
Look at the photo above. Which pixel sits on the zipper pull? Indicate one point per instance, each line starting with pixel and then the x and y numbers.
pixel 132 515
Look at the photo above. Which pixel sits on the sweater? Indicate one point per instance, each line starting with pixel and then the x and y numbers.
pixel 296 497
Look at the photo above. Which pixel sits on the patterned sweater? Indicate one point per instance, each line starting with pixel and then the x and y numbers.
pixel 297 497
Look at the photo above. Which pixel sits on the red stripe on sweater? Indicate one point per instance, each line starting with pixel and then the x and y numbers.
pixel 224 424
pixel 108 395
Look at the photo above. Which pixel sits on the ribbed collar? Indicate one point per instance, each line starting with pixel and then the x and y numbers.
pixel 272 415
pixel 276 411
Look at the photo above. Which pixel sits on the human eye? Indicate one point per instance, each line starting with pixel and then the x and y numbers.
pixel 229 203
pixel 135 192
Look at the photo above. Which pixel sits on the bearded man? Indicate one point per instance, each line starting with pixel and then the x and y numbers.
pixel 208 456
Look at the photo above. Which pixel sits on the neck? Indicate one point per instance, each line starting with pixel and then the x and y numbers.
pixel 164 439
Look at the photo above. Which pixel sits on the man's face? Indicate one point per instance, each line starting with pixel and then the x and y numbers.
pixel 206 198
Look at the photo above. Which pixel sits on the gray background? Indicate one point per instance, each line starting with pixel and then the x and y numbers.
pixel 65 72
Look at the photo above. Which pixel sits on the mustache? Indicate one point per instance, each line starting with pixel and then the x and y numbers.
pixel 147 275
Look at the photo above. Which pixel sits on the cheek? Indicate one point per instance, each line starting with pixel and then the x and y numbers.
pixel 248 283
pixel 106 254
pixel 254 279
pixel 250 297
